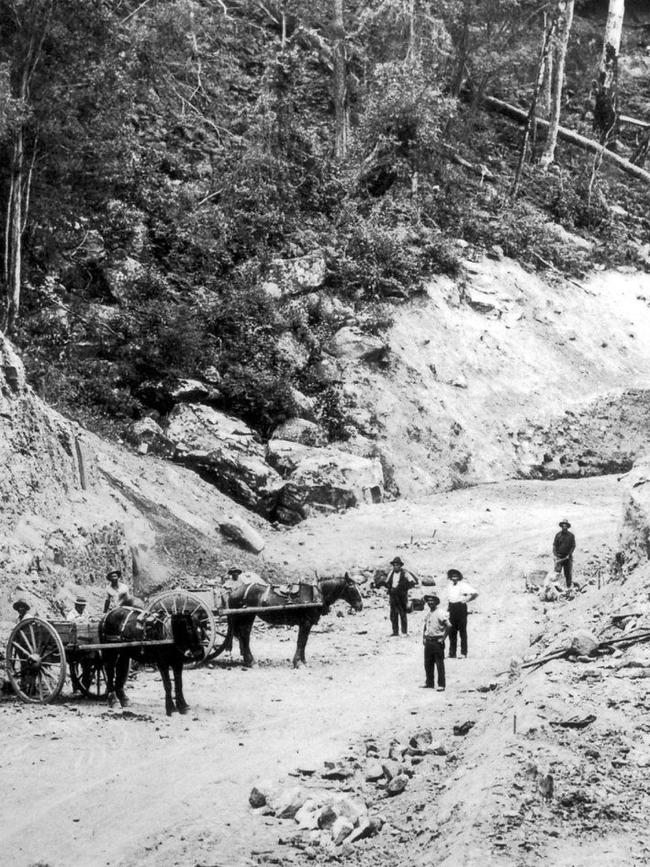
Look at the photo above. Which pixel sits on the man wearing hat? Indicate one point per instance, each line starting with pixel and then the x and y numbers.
pixel 21 607
pixel 459 594
pixel 78 611
pixel 398 585
pixel 436 627
pixel 564 545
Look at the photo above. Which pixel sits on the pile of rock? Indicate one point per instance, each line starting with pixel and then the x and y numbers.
pixel 324 819
pixel 330 819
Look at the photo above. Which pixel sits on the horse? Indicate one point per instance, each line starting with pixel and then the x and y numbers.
pixel 124 624
pixel 258 595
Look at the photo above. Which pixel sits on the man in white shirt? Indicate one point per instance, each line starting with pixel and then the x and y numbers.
pixel 436 626
pixel 78 611
pixel 459 594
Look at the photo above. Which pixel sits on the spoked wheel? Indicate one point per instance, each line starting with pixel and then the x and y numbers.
pixel 35 660
pixel 221 633
pixel 88 675
pixel 180 602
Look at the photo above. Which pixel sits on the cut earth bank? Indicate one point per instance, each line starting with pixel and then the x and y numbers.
pixel 143 790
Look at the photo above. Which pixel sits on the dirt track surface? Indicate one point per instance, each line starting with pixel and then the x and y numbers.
pixel 87 786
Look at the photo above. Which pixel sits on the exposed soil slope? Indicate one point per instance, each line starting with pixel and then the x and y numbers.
pixel 484 371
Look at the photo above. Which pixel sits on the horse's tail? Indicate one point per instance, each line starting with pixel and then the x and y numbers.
pixel 227 642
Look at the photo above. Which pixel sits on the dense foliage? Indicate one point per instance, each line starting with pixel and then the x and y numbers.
pixel 173 151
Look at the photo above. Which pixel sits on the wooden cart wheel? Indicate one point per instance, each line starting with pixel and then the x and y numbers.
pixel 181 602
pixel 35 660
pixel 88 674
pixel 220 632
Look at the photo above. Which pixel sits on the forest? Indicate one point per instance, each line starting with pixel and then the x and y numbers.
pixel 163 161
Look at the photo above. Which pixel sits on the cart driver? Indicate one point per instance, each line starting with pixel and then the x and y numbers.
pixel 79 610
pixel 21 607
pixel 117 592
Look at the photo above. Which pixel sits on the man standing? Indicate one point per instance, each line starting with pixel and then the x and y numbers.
pixel 564 545
pixel 459 594
pixel 398 585
pixel 117 592
pixel 78 611
pixel 436 626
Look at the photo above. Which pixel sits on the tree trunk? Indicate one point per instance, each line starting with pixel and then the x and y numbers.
pixel 547 82
pixel 498 105
pixel 531 126
pixel 339 83
pixel 606 109
pixel 565 19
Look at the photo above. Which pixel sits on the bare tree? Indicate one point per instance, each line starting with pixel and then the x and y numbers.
pixel 606 96
pixel 339 82
pixel 31 25
pixel 563 31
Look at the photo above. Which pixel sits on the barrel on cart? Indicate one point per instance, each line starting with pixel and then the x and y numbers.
pixel 208 607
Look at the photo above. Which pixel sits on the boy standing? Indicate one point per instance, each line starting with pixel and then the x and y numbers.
pixel 436 626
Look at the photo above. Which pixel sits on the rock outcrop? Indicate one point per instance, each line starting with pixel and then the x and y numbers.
pixel 325 478
pixel 225 450
pixel 635 528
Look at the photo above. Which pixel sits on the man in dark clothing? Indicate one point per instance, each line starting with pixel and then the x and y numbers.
pixel 563 547
pixel 436 627
pixel 398 585
pixel 459 594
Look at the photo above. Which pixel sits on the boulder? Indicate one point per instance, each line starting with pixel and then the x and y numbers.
pixel 226 451
pixel 241 532
pixel 164 394
pixel 288 803
pixel 261 794
pixel 147 436
pixel 583 642
pixel 307 815
pixel 391 768
pixel 305 407
pixel 352 344
pixel 341 829
pixel 297 276
pixel 374 771
pixel 366 828
pixel 397 785
pixel 327 477
pixel 299 430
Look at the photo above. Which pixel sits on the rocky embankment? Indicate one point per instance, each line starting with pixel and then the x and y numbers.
pixel 74 506
pixel 497 374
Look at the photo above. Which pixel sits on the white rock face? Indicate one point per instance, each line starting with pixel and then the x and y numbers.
pixel 225 449
pixel 351 343
pixel 328 477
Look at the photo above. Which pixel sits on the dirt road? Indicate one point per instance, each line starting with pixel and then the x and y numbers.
pixel 87 786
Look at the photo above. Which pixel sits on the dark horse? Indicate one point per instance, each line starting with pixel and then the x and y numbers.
pixel 127 624
pixel 327 592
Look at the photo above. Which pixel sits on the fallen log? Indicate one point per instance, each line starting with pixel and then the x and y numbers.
pixel 581 141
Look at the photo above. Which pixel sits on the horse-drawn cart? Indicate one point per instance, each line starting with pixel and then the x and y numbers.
pixel 40 652
pixel 209 609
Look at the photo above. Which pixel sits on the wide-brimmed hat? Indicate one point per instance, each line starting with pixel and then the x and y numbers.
pixel 431 597
pixel 80 600
pixel 564 521
pixel 396 561
pixel 114 573
pixel 234 571
pixel 454 573
pixel 20 603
